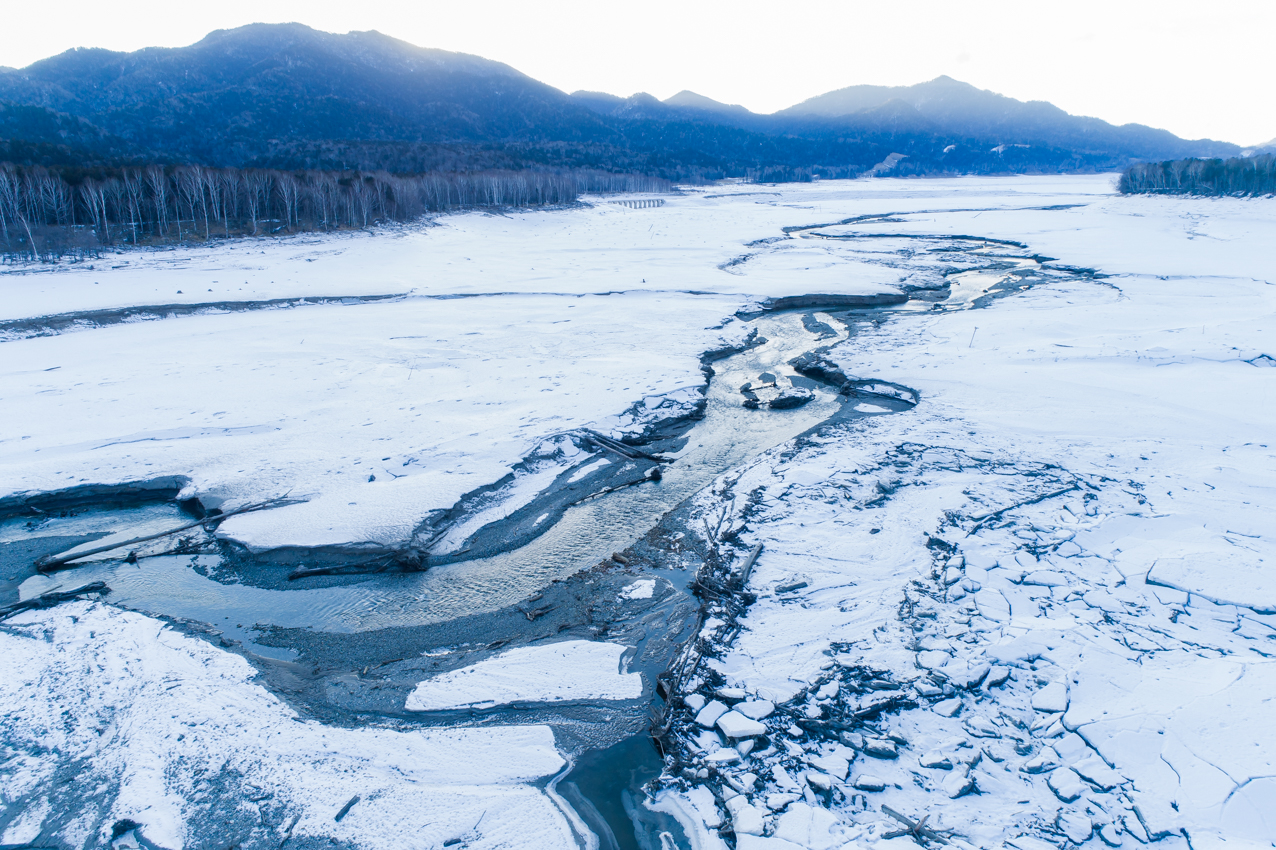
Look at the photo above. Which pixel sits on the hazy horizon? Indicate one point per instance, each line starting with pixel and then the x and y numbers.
pixel 1119 62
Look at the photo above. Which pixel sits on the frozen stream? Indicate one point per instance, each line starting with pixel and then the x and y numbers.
pixel 467 609
pixel 614 756
pixel 606 787
pixel 728 435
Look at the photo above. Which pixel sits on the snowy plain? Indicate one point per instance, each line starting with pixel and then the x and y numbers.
pixel 1096 665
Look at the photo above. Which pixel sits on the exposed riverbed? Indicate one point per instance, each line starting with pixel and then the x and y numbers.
pixel 407 626
pixel 350 649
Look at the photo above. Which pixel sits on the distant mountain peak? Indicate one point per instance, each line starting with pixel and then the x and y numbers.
pixel 287 95
pixel 687 99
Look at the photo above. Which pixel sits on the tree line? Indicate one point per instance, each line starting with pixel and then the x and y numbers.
pixel 1252 175
pixel 50 213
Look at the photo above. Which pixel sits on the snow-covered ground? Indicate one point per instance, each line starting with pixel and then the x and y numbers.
pixel 113 716
pixel 1053 576
pixel 567 319
pixel 1042 589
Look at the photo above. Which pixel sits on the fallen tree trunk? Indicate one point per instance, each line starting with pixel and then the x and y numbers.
pixel 48 600
pixel 623 449
pixel 747 570
pixel 50 564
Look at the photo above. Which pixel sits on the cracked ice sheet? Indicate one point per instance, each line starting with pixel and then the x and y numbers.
pixel 1139 392
pixel 568 670
pixel 154 716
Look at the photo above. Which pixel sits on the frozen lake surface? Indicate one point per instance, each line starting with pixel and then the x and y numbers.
pixel 1036 605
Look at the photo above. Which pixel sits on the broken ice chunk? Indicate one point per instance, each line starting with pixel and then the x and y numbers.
pixel 1072 747
pixel 644 588
pixel 997 676
pixel 981 727
pixel 932 659
pixel 746 746
pixel 835 766
pixel 1027 842
pixel 868 782
pixel 1075 825
pixel 936 761
pixel 756 708
pixel 1052 698
pixel 1043 761
pixel 782 778
pixel 804 825
pixel 776 802
pixel 880 748
pixel 1110 835
pixel 1103 601
pixel 1054 730
pixel 726 755
pixel 695 702
pixel 746 819
pixel 1134 826
pixel 707 740
pixel 1065 784
pixel 828 690
pixel 1096 771
pixel 819 780
pixel 967 675
pixel 709 715
pixel 948 707
pixel 732 693
pixel 1045 578
pixel 926 689
pixel 958 784
pixel 735 725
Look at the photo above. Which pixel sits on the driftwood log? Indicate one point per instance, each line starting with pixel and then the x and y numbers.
pixel 63 562
pixel 917 830
pixel 622 449
pixel 747 570
pixel 48 600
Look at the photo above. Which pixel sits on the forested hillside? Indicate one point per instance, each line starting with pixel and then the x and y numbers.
pixel 285 96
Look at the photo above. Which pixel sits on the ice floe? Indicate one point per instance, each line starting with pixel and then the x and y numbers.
pixel 568 670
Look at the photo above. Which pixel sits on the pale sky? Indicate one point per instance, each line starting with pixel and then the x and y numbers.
pixel 1198 70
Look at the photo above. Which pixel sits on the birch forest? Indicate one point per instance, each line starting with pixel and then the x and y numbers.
pixel 46 214
pixel 1252 175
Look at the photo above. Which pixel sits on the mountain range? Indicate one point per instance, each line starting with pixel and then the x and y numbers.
pixel 288 96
